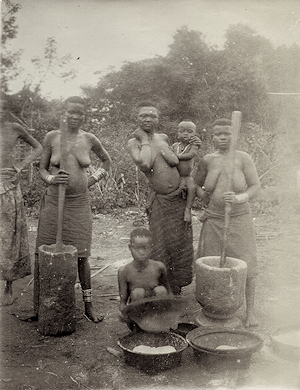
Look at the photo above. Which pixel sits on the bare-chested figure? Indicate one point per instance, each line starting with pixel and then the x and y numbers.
pixel 186 152
pixel 172 236
pixel 14 248
pixel 77 229
pixel 211 181
pixel 142 277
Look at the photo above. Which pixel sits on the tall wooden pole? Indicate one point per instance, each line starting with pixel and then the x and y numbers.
pixel 236 121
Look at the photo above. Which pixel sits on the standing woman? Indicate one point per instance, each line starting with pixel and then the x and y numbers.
pixel 172 235
pixel 14 247
pixel 77 223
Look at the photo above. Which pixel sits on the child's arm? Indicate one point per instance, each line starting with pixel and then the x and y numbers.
pixel 200 179
pixel 174 147
pixel 123 287
pixel 189 154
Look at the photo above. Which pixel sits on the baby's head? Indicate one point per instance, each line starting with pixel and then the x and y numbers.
pixel 140 244
pixel 186 129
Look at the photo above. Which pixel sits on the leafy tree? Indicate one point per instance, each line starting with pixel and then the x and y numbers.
pixel 284 75
pixel 9 60
pixel 190 67
pixel 30 97
pixel 195 81
pixel 49 64
pixel 28 106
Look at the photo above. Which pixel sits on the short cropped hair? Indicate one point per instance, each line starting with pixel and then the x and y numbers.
pixel 140 232
pixel 75 99
pixel 144 103
pixel 147 103
pixel 187 120
pixel 221 122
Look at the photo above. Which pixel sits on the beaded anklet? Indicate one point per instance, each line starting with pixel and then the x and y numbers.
pixel 87 295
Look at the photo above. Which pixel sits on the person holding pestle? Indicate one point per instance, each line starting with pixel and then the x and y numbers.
pixel 77 228
pixel 211 186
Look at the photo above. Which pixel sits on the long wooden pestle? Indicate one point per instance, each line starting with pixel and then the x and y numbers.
pixel 236 121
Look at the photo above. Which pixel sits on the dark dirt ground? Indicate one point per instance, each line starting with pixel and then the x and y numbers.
pixel 81 360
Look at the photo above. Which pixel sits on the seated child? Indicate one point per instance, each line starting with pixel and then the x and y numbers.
pixel 142 277
pixel 186 151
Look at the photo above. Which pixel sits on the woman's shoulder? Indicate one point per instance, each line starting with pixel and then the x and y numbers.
pixel 209 157
pixel 162 136
pixel 157 263
pixel 13 126
pixel 123 269
pixel 133 141
pixel 86 134
pixel 52 134
pixel 91 138
pixel 244 156
pixel 242 153
pixel 160 139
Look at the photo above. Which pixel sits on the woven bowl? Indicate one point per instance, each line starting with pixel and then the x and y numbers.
pixel 286 342
pixel 240 347
pixel 153 363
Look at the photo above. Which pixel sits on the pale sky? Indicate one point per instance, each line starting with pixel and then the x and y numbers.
pixel 104 33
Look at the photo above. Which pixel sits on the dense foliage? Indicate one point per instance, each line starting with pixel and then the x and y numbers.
pixel 9 60
pixel 194 80
pixel 198 82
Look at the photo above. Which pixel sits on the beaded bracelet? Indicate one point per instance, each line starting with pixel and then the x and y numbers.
pixel 49 179
pixel 242 198
pixel 99 174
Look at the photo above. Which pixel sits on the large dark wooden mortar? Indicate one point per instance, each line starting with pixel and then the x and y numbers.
pixel 220 291
pixel 57 277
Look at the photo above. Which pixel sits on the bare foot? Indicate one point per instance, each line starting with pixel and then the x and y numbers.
pixel 251 320
pixel 187 215
pixel 8 298
pixel 91 314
